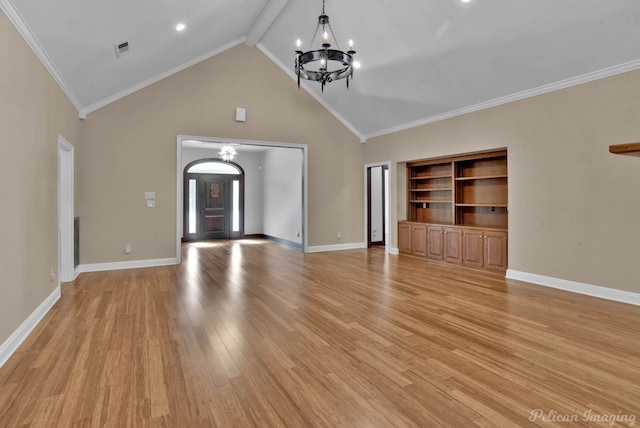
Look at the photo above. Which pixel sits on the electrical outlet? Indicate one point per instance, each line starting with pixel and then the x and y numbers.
pixel 127 249
pixel 151 203
pixel 339 235
pixel 53 275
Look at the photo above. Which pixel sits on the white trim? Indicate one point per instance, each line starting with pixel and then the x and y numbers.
pixel 134 264
pixel 128 91
pixel 395 251
pixel 562 84
pixel 318 98
pixel 576 287
pixel 21 26
pixel 17 337
pixel 337 247
pixel 65 209
pixel 180 179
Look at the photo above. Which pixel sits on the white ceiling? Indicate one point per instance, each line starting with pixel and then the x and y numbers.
pixel 422 60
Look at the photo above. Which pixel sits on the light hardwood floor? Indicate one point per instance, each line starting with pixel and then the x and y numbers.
pixel 252 333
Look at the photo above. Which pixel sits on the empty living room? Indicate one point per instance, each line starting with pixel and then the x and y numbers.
pixel 278 213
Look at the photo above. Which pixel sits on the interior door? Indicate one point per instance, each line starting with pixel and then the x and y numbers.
pixel 214 197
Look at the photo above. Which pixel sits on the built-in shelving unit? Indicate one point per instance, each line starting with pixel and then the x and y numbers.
pixel 463 203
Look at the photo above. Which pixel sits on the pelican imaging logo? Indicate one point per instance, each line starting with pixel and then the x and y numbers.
pixel 587 416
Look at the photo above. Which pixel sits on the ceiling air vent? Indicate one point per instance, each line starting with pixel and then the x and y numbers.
pixel 122 49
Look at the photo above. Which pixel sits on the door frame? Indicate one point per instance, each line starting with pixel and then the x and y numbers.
pixel 180 180
pixel 386 204
pixel 232 235
pixel 65 210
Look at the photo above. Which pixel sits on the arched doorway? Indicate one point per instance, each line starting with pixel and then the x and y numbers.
pixel 213 200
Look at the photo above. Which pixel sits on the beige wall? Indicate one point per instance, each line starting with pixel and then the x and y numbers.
pixel 131 148
pixel 33 112
pixel 573 207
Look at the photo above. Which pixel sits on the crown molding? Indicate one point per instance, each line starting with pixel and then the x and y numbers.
pixel 551 87
pixel 23 29
pixel 128 91
pixel 315 96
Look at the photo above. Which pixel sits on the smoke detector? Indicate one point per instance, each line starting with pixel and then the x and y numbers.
pixel 122 49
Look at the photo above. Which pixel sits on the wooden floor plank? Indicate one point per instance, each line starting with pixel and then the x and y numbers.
pixel 253 333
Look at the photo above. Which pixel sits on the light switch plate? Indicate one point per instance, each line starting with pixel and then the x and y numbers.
pixel 149 195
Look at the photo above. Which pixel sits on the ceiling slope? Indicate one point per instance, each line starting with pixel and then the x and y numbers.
pixel 422 61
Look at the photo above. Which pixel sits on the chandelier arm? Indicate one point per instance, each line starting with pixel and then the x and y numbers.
pixel 315 34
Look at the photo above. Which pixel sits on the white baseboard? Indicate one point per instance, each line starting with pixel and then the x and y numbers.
pixel 15 340
pixel 393 250
pixel 337 247
pixel 135 264
pixel 576 287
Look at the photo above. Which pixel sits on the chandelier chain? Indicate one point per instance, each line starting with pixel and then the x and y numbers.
pixel 315 34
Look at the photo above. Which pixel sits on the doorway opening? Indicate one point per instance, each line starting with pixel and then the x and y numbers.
pixel 377 205
pixel 213 200
pixel 272 171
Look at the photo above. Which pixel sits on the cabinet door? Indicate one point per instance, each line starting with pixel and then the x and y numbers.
pixel 453 245
pixel 435 244
pixel 404 238
pixel 472 247
pixel 495 250
pixel 419 240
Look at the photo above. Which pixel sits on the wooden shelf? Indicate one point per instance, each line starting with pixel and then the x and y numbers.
pixel 630 149
pixel 482 205
pixel 430 190
pixel 484 177
pixel 416 201
pixel 431 177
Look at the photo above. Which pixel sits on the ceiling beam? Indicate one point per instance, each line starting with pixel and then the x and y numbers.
pixel 262 23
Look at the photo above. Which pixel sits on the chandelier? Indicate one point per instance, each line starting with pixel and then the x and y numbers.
pixel 228 153
pixel 324 65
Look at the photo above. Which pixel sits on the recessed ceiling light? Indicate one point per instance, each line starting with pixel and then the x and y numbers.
pixel 180 27
pixel 466 1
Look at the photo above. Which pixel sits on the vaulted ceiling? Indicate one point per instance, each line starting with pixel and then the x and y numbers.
pixel 422 60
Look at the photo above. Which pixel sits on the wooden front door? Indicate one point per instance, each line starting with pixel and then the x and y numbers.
pixel 211 211
pixel 214 215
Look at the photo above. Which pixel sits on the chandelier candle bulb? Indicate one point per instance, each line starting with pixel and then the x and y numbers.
pixel 350 45
pixel 298 45
pixel 325 38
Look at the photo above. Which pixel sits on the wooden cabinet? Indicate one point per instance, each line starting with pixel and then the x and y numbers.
pixel 463 203
pixel 404 237
pixel 419 240
pixel 495 250
pixel 435 242
pixel 453 245
pixel 472 247
pixel 412 238
pixel 469 246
